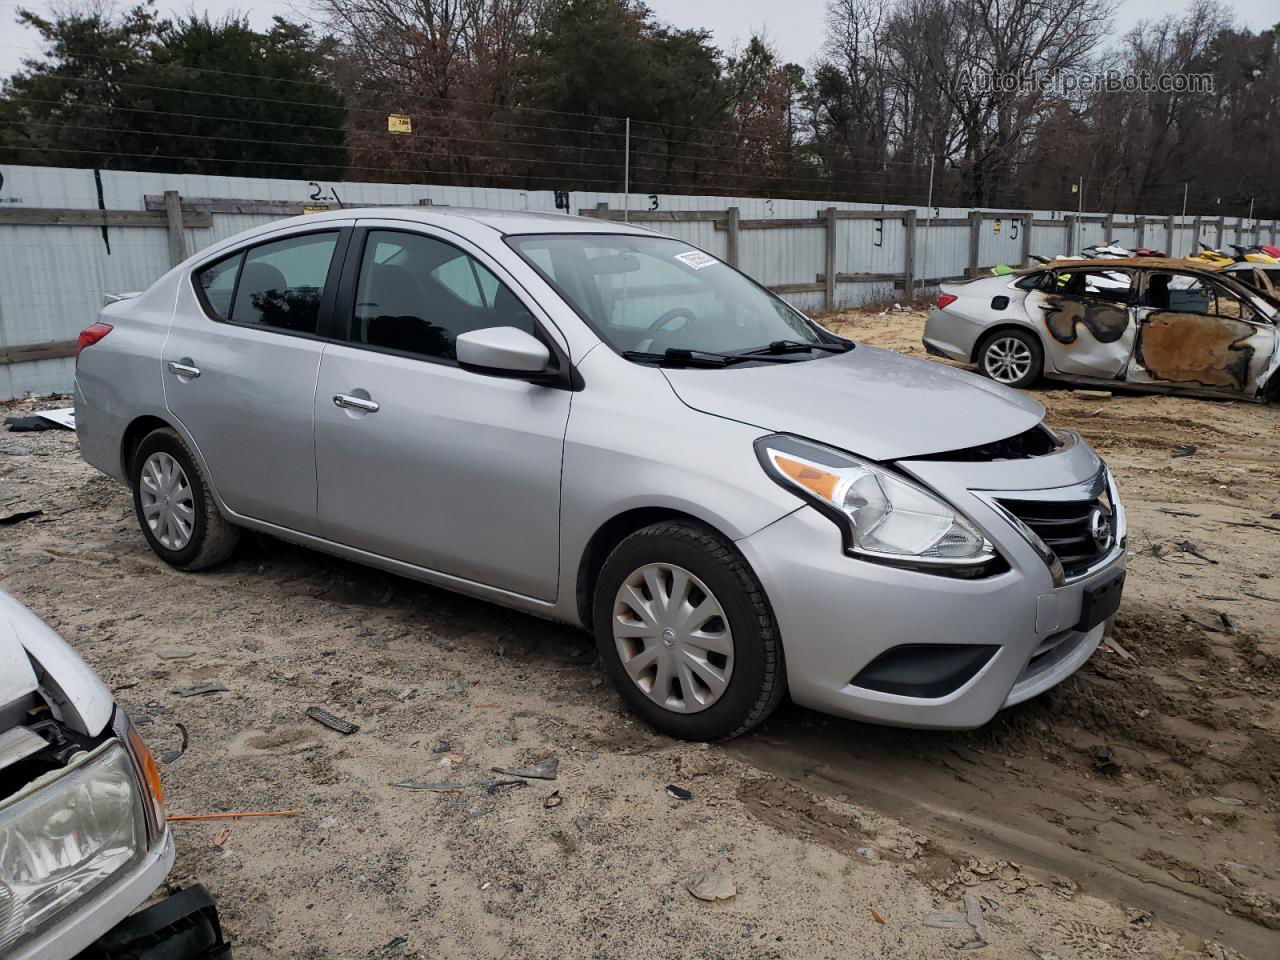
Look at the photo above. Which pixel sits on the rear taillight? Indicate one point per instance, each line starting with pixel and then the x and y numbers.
pixel 944 300
pixel 91 335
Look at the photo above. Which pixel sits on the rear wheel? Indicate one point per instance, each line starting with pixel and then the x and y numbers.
pixel 684 628
pixel 174 507
pixel 1012 357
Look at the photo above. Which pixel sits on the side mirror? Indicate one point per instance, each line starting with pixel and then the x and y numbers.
pixel 502 350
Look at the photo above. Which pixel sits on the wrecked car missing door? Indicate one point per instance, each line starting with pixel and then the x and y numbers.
pixel 1154 323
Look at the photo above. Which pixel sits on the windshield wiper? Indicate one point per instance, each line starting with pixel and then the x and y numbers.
pixel 675 356
pixel 797 346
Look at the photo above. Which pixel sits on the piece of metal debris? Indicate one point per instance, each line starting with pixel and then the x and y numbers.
pixel 678 793
pixel 172 755
pixel 542 770
pixel 711 886
pixel 553 800
pixel 198 689
pixel 327 719
pixel 434 787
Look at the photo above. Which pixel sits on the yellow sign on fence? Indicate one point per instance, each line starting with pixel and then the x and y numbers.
pixel 399 123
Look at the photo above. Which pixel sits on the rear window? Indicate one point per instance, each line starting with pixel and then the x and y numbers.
pixel 277 285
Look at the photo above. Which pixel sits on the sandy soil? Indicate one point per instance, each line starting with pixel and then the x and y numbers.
pixel 1086 823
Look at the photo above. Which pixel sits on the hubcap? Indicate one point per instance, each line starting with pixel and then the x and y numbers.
pixel 673 638
pixel 167 502
pixel 1007 360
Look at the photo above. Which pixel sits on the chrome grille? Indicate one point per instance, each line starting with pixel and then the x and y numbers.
pixel 1065 528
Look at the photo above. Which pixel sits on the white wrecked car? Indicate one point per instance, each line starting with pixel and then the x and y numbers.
pixel 83 835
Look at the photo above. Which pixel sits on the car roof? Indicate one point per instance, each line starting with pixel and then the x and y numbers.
pixel 505 222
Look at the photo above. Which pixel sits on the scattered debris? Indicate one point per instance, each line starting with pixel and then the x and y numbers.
pixel 973 913
pixel 542 770
pixel 868 853
pixel 1218 596
pixel 1226 622
pixel 1104 761
pixel 1186 546
pixel 8 520
pixel 1186 451
pixel 233 816
pixel 1230 801
pixel 678 793
pixel 875 915
pixel 176 653
pixel 434 787
pixel 199 689
pixel 1258 596
pixel 1092 394
pixel 947 920
pixel 172 755
pixel 553 800
pixel 1114 644
pixel 1178 513
pixel 327 719
pixel 493 786
pixel 444 746
pixel 220 840
pixel 709 885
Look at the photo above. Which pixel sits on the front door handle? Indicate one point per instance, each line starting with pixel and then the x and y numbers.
pixel 356 403
pixel 184 369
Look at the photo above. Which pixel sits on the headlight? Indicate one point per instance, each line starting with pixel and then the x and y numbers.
pixel 884 516
pixel 63 839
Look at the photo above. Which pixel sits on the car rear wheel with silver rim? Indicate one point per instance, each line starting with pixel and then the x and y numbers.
pixel 1011 357
pixel 684 628
pixel 174 505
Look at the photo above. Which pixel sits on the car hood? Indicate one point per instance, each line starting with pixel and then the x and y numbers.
pixel 871 402
pixel 34 659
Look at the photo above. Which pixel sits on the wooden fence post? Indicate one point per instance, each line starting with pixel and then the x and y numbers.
pixel 1108 227
pixel 731 226
pixel 1170 235
pixel 1028 221
pixel 830 275
pixel 177 239
pixel 1140 232
pixel 1195 236
pixel 909 256
pixel 975 241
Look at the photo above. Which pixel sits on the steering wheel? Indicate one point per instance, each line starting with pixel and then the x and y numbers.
pixel 667 317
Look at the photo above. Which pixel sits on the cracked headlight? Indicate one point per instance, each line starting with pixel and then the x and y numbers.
pixel 64 837
pixel 884 516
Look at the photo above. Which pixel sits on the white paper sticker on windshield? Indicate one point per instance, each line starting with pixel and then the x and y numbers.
pixel 696 259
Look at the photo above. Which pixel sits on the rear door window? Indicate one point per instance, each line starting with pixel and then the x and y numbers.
pixel 277 285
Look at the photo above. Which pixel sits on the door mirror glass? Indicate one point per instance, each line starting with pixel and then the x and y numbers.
pixel 503 350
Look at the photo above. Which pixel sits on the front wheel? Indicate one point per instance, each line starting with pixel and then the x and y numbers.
pixel 686 632
pixel 1012 357
pixel 174 506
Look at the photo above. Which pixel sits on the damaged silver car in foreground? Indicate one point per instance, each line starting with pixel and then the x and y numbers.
pixel 83 836
pixel 1160 325
pixel 610 428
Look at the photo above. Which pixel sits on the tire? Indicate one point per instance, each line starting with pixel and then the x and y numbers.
pixel 196 535
pixel 1014 358
pixel 707 572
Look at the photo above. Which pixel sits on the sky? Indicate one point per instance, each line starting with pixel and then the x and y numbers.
pixel 795 26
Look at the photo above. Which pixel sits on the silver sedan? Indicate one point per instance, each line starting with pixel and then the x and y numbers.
pixel 611 428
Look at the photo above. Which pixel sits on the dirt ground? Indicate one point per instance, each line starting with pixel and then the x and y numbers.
pixel 1131 812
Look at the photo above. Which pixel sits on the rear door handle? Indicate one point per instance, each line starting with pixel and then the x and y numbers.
pixel 356 403
pixel 183 369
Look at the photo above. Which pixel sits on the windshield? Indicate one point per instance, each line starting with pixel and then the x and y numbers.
pixel 654 294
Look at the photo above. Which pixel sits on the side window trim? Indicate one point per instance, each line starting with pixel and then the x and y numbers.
pixel 328 298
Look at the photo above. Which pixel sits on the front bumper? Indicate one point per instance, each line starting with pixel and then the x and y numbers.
pixel 836 614
pixel 102 912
